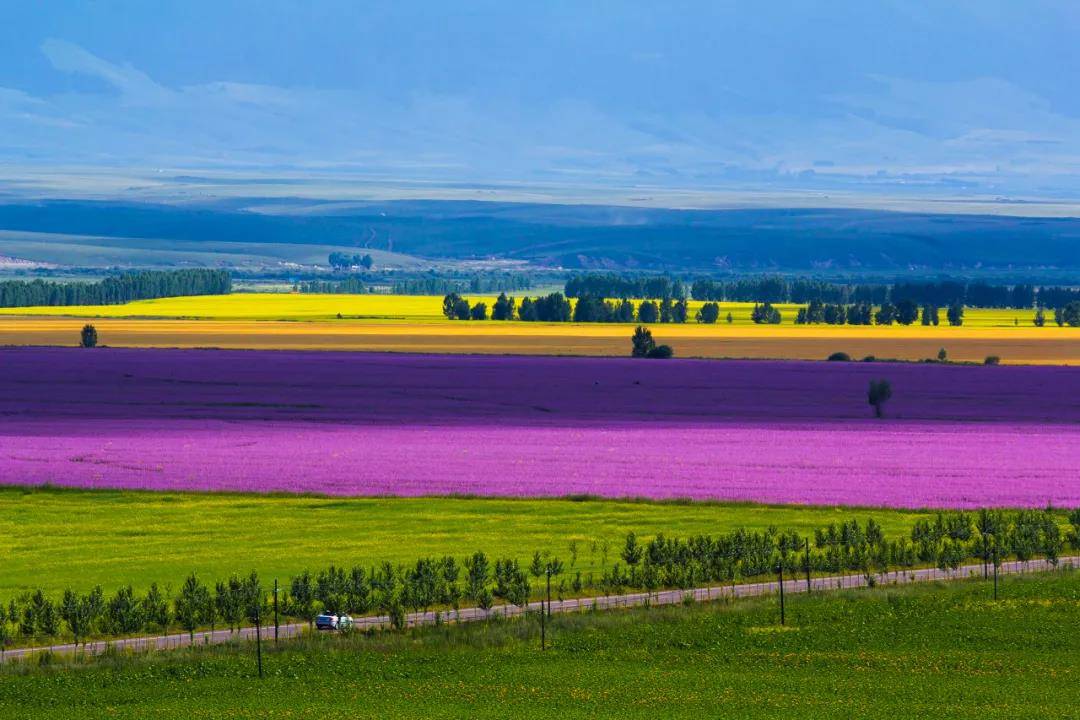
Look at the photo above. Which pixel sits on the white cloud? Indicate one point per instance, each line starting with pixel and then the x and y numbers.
pixel 896 126
pixel 135 86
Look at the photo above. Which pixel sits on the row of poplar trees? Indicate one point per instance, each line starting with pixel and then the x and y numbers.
pixel 393 590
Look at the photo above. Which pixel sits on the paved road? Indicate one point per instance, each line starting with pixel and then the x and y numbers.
pixel 666 597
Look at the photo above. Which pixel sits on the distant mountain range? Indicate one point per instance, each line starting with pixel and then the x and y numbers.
pixel 585 236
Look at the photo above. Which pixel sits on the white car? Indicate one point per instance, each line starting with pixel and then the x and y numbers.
pixel 326 621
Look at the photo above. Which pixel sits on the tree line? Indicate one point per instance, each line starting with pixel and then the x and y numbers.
pixel 621 286
pixel 779 289
pixel 1065 315
pixel 419 285
pixel 346 261
pixel 114 290
pixel 905 312
pixel 485 283
pixel 556 307
pixel 937 294
pixel 946 542
pixel 348 286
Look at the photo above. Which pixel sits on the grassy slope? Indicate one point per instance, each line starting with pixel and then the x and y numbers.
pixel 95 251
pixel 576 235
pixel 65 538
pixel 937 651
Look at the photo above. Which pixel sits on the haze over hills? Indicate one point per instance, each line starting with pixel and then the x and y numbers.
pixel 559 236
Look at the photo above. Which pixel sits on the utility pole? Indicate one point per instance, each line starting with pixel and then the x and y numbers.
pixel 808 566
pixel 549 591
pixel 543 619
pixel 780 568
pixel 995 571
pixel 258 639
pixel 275 611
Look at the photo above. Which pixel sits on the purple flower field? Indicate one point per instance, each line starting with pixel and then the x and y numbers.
pixel 358 424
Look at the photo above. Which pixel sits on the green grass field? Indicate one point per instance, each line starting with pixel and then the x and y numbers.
pixel 941 651
pixel 55 539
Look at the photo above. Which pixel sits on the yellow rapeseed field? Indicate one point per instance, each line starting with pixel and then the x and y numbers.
pixel 258 306
pixel 297 306
pixel 416 324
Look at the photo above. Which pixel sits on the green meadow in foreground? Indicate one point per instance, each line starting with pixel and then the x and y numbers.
pixel 942 651
pixel 56 539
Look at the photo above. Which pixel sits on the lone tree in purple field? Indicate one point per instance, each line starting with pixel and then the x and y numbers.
pixel 88 336
pixel 878 394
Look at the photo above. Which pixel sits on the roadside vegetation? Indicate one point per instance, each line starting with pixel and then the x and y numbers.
pixel 480 580
pixel 939 650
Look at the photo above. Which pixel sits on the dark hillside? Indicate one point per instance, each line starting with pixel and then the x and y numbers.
pixel 596 237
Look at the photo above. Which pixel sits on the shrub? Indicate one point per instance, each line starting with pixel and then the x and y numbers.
pixel 709 313
pixel 907 312
pixel 681 311
pixel 503 308
pixel 396 614
pixel 942 356
pixel 485 600
pixel 992 360
pixel 648 312
pixel 886 314
pixel 642 342
pixel 88 337
pixel 1068 315
pixel 455 307
pixel 461 309
pixel 839 357
pixel 661 352
pixel 449 304
pixel 765 314
pixel 869 358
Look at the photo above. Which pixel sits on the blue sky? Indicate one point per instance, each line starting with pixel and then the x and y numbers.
pixel 977 95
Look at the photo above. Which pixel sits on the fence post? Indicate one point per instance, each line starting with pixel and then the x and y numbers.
pixel 543 628
pixel 549 592
pixel 995 572
pixel 275 611
pixel 780 568
pixel 807 565
pixel 986 574
pixel 543 618
pixel 258 639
